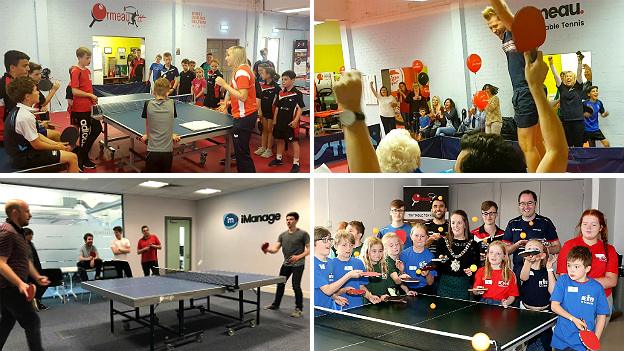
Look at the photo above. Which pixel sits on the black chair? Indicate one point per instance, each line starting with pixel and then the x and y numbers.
pixel 56 278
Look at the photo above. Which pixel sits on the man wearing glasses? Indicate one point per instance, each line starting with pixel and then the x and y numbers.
pixel 398 225
pixel 489 231
pixel 529 225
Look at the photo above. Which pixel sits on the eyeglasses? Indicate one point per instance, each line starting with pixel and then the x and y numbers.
pixel 487 214
pixel 326 240
pixel 527 204
pixel 394 210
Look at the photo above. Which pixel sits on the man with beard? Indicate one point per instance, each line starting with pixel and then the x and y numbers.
pixel 438 226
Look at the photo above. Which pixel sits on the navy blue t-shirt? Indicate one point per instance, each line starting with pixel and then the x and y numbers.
pixel 540 228
pixel 170 73
pixel 515 62
pixel 571 106
pixel 534 291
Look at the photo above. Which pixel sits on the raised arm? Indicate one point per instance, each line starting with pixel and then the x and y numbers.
pixel 372 88
pixel 503 12
pixel 579 70
pixel 554 71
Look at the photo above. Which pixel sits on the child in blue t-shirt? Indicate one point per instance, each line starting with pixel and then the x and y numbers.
pixel 593 108
pixel 415 258
pixel 344 265
pixel 424 123
pixel 325 286
pixel 579 301
pixel 398 226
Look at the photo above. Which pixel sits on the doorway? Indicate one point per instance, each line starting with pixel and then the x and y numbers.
pixel 111 57
pixel 273 45
pixel 178 243
pixel 218 47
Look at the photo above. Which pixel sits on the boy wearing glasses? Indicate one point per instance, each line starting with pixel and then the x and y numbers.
pixel 398 225
pixel 529 225
pixel 489 231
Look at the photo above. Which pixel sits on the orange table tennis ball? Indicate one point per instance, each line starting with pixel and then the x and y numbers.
pixel 440 229
pixel 480 342
pixel 530 222
pixel 475 219
pixel 418 271
pixel 432 306
pixel 440 197
pixel 375 230
pixel 473 268
pixel 523 235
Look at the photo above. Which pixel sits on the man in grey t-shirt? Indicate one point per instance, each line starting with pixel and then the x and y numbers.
pixel 295 245
pixel 89 258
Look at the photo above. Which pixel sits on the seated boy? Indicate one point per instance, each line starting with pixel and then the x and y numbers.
pixel 579 301
pixel 286 121
pixel 159 114
pixel 27 147
pixel 424 123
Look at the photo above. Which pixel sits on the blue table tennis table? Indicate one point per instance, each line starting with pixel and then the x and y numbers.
pixel 172 286
pixel 123 112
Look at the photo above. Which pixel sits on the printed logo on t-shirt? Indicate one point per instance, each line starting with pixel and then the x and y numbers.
pixel 601 257
pixel 503 284
pixel 587 300
pixel 322 266
pixel 543 283
pixel 330 277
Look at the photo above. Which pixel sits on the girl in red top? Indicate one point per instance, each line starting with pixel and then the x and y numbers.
pixel 242 94
pixel 593 234
pixel 199 86
pixel 497 277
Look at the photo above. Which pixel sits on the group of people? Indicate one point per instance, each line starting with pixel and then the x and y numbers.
pixel 31 143
pixel 485 260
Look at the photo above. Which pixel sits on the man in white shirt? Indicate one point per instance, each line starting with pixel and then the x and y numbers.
pixel 120 247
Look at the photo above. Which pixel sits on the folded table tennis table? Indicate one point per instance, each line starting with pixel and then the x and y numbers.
pixel 172 286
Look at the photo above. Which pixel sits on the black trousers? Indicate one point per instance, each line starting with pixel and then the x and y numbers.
pixel 242 133
pixel 574 132
pixel 123 269
pixel 150 266
pixel 297 273
pixel 158 162
pixel 15 308
pixel 389 123
pixel 88 131
pixel 87 265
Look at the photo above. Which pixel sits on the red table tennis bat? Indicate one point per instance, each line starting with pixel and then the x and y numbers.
pixel 410 280
pixel 32 289
pixel 529 30
pixel 356 292
pixel 265 247
pixel 395 299
pixel 98 12
pixel 370 274
pixel 589 339
pixel 402 235
pixel 92 254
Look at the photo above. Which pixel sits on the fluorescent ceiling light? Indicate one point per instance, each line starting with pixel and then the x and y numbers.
pixel 275 30
pixel 207 191
pixel 153 184
pixel 303 9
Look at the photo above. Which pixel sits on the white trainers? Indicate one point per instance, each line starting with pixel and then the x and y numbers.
pixel 297 313
pixel 267 153
pixel 259 151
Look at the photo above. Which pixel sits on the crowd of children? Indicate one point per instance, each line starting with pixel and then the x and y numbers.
pixel 573 281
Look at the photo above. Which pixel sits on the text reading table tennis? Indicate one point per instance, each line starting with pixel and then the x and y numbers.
pixel 415 325
pixel 180 286
pixel 123 112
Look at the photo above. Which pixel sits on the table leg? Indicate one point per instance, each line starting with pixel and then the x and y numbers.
pixel 258 306
pixel 241 306
pixel 181 317
pixel 228 153
pixel 152 327
pixel 112 316
pixel 131 161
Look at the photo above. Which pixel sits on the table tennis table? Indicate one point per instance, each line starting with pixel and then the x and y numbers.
pixel 172 286
pixel 123 112
pixel 415 325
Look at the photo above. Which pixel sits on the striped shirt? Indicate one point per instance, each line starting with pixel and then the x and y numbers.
pixel 14 246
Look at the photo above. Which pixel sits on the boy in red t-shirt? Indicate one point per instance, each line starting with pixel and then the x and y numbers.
pixel 147 248
pixel 82 91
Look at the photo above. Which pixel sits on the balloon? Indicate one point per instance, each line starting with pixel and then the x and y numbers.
pixel 474 63
pixel 342 69
pixel 481 99
pixel 319 76
pixel 423 78
pixel 417 65
pixel 424 91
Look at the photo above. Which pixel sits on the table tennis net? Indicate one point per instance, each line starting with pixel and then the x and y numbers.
pixel 378 330
pixel 227 280
pixel 121 105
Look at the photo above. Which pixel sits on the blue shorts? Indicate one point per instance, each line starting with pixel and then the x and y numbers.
pixel 524 108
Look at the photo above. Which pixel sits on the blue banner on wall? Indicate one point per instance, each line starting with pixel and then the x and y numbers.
pixel 331 148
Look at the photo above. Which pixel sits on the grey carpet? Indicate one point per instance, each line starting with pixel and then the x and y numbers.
pixel 78 325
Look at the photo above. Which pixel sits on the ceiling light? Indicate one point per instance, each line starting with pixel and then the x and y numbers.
pixel 207 191
pixel 225 27
pixel 303 9
pixel 153 184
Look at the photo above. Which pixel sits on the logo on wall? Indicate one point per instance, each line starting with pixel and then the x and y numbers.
pixel 198 20
pixel 563 11
pixel 230 220
pixel 130 15
pixel 418 201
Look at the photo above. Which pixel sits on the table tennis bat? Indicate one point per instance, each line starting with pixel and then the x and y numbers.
pixel 589 339
pixel 478 289
pixel 32 289
pixel 410 280
pixel 265 247
pixel 70 136
pixel 98 12
pixel 529 30
pixel 92 254
pixel 356 292
pixel 531 252
pixel 370 274
pixel 395 299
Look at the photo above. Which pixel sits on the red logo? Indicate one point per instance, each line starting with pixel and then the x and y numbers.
pixel 129 14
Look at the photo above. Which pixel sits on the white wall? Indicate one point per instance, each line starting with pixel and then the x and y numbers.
pixel 291 28
pixel 151 211
pixel 239 249
pixel 435 36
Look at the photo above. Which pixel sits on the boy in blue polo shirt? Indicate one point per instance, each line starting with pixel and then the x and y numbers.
pixel 344 265
pixel 579 301
pixel 325 286
pixel 398 226
pixel 593 109
pixel 415 258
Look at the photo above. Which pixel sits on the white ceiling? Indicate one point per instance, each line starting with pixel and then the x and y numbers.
pixel 363 10
pixel 266 5
pixel 182 189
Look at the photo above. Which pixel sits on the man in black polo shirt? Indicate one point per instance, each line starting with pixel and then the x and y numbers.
pixel 288 112
pixel 529 225
pixel 15 267
pixel 438 226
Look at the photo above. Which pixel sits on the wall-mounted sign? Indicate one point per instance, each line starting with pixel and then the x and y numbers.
pixel 564 16
pixel 231 220
pixel 418 200
pixel 198 20
pixel 128 14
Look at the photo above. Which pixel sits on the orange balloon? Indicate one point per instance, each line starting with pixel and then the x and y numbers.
pixel 481 100
pixel 474 63
pixel 417 65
